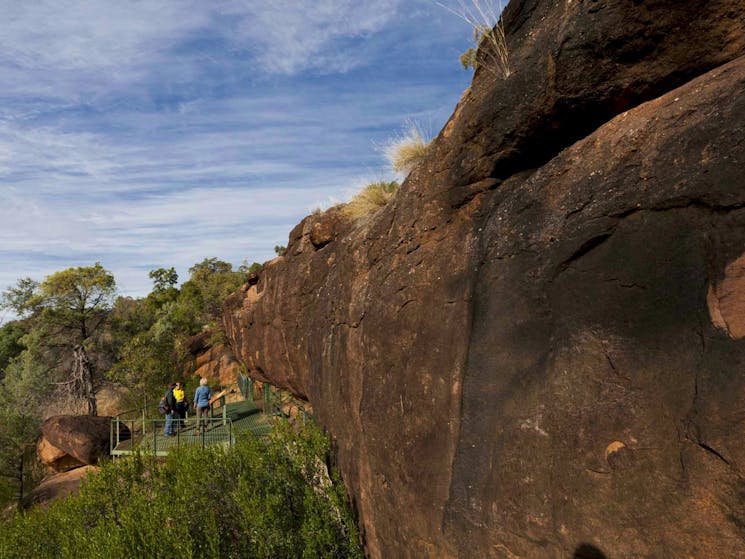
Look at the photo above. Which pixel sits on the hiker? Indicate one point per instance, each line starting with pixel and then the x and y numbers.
pixel 180 396
pixel 170 410
pixel 202 397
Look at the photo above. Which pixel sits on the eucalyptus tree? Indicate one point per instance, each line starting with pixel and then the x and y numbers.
pixel 68 309
pixel 74 304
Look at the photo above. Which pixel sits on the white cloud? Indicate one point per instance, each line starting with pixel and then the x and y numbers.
pixel 83 49
pixel 160 132
pixel 292 35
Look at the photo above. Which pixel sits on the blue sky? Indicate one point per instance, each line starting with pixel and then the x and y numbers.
pixel 155 133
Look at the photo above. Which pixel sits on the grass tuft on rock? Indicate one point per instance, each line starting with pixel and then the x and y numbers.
pixel 406 152
pixel 370 199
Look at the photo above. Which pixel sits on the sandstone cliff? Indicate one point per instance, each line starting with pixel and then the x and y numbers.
pixel 537 346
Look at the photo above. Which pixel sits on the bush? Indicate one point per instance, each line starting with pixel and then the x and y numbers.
pixel 370 199
pixel 408 151
pixel 259 499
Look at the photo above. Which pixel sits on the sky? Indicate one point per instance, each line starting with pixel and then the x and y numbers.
pixel 155 133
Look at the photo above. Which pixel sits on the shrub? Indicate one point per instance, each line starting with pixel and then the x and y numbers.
pixel 408 151
pixel 371 198
pixel 258 499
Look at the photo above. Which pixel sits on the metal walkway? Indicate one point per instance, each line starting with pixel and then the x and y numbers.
pixel 133 432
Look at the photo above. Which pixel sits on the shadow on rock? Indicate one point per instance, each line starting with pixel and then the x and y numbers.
pixel 587 551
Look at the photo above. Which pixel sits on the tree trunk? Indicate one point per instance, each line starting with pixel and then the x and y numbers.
pixel 82 375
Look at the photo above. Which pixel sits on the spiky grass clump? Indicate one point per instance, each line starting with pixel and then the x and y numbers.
pixel 370 199
pixel 491 51
pixel 408 151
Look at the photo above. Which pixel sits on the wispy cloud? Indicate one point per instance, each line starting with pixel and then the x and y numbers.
pixel 161 132
pixel 292 35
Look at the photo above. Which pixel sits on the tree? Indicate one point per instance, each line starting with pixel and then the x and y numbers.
pixel 280 250
pixel 210 282
pixel 153 356
pixel 76 299
pixel 163 279
pixel 10 342
pixel 72 305
pixel 18 299
pixel 23 392
pixel 164 288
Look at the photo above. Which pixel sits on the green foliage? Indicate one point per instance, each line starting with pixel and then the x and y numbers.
pixel 370 199
pixel 146 363
pixel 76 299
pixel 280 250
pixel 26 386
pixel 73 313
pixel 163 279
pixel 247 268
pixel 259 499
pixel 24 391
pixel 129 317
pixel 164 288
pixel 153 355
pixel 10 342
pixel 211 281
pixel 18 298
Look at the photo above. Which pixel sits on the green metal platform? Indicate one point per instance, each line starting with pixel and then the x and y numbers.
pixel 135 432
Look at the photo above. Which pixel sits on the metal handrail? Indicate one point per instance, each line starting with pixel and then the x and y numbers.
pixel 140 427
pixel 151 438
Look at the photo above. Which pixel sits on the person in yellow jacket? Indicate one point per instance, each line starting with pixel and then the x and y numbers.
pixel 180 395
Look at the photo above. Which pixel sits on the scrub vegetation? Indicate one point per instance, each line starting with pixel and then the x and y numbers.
pixel 259 499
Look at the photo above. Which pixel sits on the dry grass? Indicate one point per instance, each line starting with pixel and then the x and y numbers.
pixel 370 199
pixel 408 151
pixel 491 45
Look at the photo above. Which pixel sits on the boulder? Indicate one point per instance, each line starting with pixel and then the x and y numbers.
pixel 55 458
pixel 57 486
pixel 83 437
pixel 535 349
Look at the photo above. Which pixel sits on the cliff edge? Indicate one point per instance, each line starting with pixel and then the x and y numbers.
pixel 537 346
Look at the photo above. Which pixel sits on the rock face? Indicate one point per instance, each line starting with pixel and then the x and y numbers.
pixel 84 438
pixel 218 362
pixel 112 399
pixel 536 349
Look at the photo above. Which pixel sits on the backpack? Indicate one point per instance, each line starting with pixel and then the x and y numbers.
pixel 163 408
